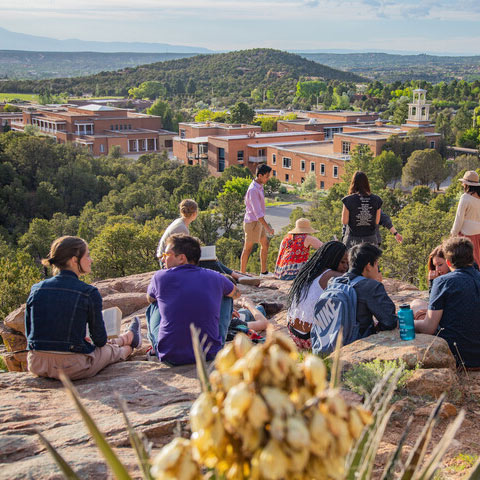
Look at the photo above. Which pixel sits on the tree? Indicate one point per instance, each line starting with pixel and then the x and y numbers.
pixel 237 185
pixel 205 227
pixel 387 167
pixel 360 160
pixel 310 184
pixel 465 162
pixel 424 167
pixel 272 186
pixel 242 113
pixel 400 113
pixel 150 89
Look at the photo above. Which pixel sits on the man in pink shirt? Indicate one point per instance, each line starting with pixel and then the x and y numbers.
pixel 254 224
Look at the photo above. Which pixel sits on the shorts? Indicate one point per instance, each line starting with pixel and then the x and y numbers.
pixel 74 365
pixel 254 232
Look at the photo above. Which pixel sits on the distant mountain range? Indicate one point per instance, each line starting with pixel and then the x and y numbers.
pixel 21 41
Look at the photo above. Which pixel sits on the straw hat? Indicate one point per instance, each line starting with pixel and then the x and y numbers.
pixel 470 178
pixel 302 225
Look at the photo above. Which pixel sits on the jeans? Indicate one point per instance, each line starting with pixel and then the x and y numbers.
pixel 226 310
pixel 153 324
pixel 247 316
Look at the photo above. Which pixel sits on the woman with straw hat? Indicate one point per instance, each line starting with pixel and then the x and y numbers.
pixel 295 249
pixel 467 219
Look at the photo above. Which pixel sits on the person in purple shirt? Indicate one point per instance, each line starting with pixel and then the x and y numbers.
pixel 254 224
pixel 182 294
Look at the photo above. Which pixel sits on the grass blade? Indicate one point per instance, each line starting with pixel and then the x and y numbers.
pixel 200 359
pixel 337 363
pixel 118 469
pixel 475 475
pixel 388 473
pixel 137 442
pixel 417 454
pixel 59 460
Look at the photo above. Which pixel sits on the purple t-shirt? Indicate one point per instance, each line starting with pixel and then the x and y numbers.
pixel 187 294
pixel 254 203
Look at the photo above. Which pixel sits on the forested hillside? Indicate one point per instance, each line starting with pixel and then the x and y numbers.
pixel 390 68
pixel 222 75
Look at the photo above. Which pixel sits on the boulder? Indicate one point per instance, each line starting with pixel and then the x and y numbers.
pixel 133 283
pixel 128 303
pixel 425 350
pixel 13 340
pixel 157 397
pixel 16 319
pixel 432 382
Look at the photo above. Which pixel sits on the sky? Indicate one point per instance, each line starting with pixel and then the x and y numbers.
pixel 426 26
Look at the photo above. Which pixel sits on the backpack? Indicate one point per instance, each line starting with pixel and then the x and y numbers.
pixel 336 308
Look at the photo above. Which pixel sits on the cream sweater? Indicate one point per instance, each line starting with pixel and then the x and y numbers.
pixel 467 219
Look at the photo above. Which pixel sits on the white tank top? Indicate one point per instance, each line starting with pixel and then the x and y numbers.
pixel 305 308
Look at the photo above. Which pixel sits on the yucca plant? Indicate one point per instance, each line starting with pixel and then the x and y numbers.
pixel 283 438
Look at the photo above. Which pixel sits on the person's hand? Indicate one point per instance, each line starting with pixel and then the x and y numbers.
pixel 398 238
pixel 235 314
pixel 432 274
pixel 270 230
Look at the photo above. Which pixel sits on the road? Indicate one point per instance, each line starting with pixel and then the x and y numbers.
pixel 279 216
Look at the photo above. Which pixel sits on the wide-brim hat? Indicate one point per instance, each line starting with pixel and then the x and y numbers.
pixel 302 225
pixel 208 253
pixel 470 178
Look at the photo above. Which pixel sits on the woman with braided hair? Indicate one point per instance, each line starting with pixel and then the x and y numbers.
pixel 330 260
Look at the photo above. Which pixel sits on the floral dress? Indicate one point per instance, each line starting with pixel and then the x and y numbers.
pixel 292 256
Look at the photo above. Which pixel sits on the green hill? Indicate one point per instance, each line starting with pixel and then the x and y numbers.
pixel 226 75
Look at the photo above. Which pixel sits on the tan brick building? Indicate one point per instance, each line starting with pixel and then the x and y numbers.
pixel 99 128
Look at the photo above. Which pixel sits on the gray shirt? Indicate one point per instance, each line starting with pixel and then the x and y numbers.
pixel 177 226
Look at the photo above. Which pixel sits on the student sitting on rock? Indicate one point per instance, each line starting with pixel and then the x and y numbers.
pixel 454 305
pixel 57 313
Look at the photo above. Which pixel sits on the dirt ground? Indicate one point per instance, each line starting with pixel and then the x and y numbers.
pixel 464 449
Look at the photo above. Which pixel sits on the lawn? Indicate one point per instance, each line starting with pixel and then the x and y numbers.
pixel 8 97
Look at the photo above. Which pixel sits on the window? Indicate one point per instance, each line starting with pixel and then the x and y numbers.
pixel 302 165
pixel 129 126
pixel 168 143
pixel 335 172
pixel 322 185
pixel 312 166
pixel 111 127
pixel 287 162
pixel 274 173
pixel 221 159
pixel 287 177
pixel 240 156
pixel 182 133
pixel 322 169
pixel 432 144
pixel 274 159
pixel 346 148
pixel 121 127
pixel 261 152
pixel 102 148
pixel 116 127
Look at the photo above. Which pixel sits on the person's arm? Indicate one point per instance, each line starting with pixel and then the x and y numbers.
pixel 323 282
pixel 430 323
pixel 313 242
pixel 381 306
pixel 345 215
pixel 151 299
pixel 96 325
pixel 459 216
pixel 377 216
pixel 235 293
pixel 257 203
pixel 397 236
pixel 260 322
pixel 268 228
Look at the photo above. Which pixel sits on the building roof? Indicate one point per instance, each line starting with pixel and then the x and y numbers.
pixel 272 135
pixel 96 108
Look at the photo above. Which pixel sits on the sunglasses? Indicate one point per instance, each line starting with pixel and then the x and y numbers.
pixel 167 254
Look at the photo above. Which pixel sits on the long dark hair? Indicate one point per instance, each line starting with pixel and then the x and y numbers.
pixel 329 255
pixel 436 252
pixel 359 184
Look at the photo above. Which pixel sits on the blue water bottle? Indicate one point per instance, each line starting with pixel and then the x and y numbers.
pixel 405 320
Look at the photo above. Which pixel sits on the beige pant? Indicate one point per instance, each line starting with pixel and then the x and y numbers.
pixel 254 231
pixel 74 365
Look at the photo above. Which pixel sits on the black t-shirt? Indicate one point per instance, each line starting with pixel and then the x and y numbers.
pixel 362 213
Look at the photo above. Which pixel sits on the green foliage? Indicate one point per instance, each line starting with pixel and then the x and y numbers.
pixel 229 251
pixel 421 194
pixel 309 186
pixel 18 273
pixel 150 89
pixel 363 377
pixel 11 108
pixel 425 167
pixel 465 162
pixel 123 249
pixel 309 88
pixel 272 186
pixel 360 160
pixel 242 113
pixel 205 227
pixel 387 167
pixel 236 185
pixel 231 208
pixel 400 113
pixel 170 118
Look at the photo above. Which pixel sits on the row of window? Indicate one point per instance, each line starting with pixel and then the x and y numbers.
pixel 287 163
pixel 121 127
pixel 289 178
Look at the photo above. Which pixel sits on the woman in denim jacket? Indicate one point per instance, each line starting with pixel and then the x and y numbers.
pixel 57 313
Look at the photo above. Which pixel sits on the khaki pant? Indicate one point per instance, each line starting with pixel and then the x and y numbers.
pixel 74 365
pixel 254 231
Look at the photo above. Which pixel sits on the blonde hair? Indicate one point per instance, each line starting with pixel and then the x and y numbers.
pixel 188 207
pixel 62 250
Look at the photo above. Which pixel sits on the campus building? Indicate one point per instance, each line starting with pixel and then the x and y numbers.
pixel 99 128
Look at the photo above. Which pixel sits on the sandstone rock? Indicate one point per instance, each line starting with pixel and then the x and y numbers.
pixel 157 397
pixel 13 340
pixel 133 283
pixel 16 319
pixel 128 303
pixel 446 411
pixel 432 382
pixel 426 350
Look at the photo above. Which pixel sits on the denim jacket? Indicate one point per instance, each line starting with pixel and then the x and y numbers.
pixel 58 311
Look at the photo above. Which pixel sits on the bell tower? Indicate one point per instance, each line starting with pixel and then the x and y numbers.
pixel 419 109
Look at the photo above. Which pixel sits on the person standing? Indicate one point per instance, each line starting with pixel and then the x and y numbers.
pixel 361 212
pixel 467 219
pixel 254 224
pixel 188 213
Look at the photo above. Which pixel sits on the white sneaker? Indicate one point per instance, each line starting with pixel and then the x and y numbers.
pixel 267 275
